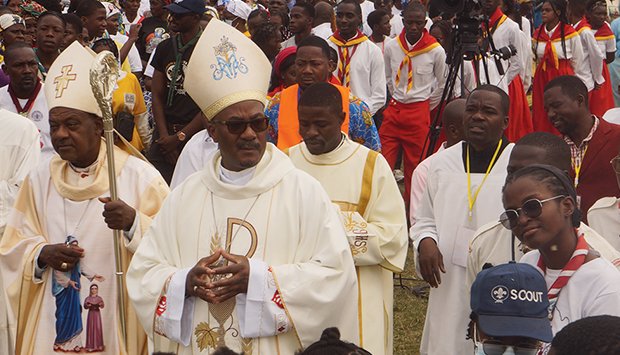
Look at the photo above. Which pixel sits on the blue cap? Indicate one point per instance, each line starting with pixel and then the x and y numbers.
pixel 511 300
pixel 186 6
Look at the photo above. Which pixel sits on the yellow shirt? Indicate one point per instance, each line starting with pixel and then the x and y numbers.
pixel 128 97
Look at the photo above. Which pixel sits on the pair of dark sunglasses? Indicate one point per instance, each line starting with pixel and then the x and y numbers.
pixel 498 349
pixel 239 126
pixel 531 208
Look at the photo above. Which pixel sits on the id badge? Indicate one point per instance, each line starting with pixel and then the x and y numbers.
pixel 461 245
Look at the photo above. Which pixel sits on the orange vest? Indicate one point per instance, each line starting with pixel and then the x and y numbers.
pixel 288 121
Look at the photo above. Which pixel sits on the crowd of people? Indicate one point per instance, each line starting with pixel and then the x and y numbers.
pixel 247 200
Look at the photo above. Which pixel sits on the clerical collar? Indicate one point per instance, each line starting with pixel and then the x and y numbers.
pixel 237 178
pixel 84 173
pixel 480 160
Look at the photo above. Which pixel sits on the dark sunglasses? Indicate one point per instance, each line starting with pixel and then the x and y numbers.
pixel 239 126
pixel 615 164
pixel 497 349
pixel 531 208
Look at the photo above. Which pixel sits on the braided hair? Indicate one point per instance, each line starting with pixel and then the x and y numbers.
pixel 554 179
pixel 589 336
pixel 557 6
pixel 330 344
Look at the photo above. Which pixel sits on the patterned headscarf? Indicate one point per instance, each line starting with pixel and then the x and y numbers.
pixel 31 8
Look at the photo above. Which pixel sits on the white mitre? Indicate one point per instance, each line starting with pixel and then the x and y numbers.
pixel 225 68
pixel 68 83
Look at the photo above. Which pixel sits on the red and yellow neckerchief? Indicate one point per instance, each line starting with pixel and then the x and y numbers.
pixel 550 56
pixel 604 33
pixel 582 25
pixel 496 19
pixel 425 44
pixel 345 53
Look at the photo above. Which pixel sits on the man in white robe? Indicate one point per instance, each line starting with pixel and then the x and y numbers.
pixel 58 242
pixel 463 193
pixel 20 149
pixel 194 156
pixel 248 253
pixel 493 243
pixel 372 211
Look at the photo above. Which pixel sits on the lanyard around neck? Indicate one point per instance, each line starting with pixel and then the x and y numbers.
pixel 471 200
pixel 578 167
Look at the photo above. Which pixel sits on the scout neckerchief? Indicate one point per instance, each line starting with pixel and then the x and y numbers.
pixel 575 262
pixel 471 199
pixel 604 33
pixel 346 49
pixel 582 25
pixel 179 49
pixel 550 56
pixel 495 20
pixel 25 109
pixel 425 44
pixel 42 69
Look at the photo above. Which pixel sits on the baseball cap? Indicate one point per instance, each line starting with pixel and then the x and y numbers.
pixel 186 7
pixel 511 300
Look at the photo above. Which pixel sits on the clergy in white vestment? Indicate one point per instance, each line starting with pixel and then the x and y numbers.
pixel 57 252
pixel 25 94
pixel 493 243
pixel 360 62
pixel 462 194
pixel 20 149
pixel 452 127
pixel 248 253
pixel 360 182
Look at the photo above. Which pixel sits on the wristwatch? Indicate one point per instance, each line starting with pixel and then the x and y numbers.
pixel 181 135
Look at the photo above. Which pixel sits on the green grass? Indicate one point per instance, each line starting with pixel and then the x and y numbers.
pixel 409 312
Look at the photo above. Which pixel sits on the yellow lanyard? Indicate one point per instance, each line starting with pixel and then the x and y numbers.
pixel 472 200
pixel 578 167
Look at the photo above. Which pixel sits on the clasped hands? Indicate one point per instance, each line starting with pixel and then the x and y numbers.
pixel 215 282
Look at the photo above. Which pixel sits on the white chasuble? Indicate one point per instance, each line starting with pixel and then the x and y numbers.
pixel 443 215
pixel 284 222
pixel 361 183
pixel 75 311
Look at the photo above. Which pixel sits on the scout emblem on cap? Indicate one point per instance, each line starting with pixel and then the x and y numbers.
pixel 227 62
pixel 62 81
pixel 499 293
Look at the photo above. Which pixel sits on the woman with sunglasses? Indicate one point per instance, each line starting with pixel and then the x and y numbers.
pixel 541 212
pixel 604 215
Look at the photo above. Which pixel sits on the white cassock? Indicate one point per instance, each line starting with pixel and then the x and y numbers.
pixel 38 114
pixel 57 201
pixel 361 183
pixel 193 157
pixel 493 243
pixel 302 277
pixel 604 217
pixel 443 216
pixel 367 74
pixel 323 30
pixel 20 149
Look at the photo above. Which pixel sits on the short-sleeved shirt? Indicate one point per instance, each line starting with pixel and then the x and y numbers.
pixel 183 108
pixel 152 32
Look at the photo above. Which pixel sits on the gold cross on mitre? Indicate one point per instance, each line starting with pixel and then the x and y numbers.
pixel 62 81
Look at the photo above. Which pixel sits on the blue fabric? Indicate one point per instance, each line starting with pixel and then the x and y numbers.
pixel 68 308
pixel 362 128
pixel 615 28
